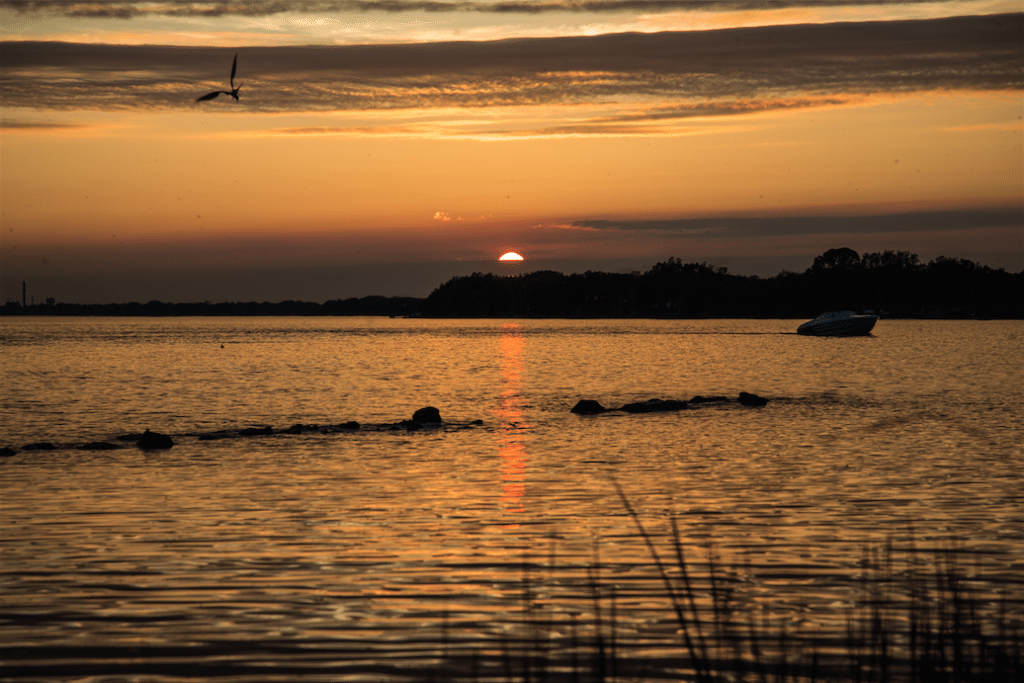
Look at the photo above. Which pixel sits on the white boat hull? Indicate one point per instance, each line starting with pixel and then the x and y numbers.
pixel 839 324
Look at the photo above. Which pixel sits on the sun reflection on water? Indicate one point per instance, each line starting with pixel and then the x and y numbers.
pixel 512 438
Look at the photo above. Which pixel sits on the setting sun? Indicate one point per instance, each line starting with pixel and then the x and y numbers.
pixel 510 256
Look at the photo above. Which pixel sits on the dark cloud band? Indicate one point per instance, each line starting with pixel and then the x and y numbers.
pixel 119 9
pixel 923 221
pixel 738 69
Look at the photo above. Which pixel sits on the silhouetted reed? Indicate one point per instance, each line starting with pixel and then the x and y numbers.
pixel 919 620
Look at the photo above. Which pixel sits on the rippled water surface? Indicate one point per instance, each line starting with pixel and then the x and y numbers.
pixel 375 553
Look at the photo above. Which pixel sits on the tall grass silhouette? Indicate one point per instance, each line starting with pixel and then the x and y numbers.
pixel 919 618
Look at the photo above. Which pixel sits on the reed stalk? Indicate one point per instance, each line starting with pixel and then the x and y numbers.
pixel 916 621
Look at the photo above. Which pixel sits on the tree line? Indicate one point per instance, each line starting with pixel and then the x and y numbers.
pixel 894 283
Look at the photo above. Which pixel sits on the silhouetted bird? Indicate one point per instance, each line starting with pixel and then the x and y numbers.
pixel 234 90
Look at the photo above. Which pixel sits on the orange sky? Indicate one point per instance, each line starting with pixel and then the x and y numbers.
pixel 343 160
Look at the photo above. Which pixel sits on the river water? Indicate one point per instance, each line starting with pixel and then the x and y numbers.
pixel 380 553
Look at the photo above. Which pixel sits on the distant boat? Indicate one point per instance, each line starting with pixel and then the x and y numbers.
pixel 839 324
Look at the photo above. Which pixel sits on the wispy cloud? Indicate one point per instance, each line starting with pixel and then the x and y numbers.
pixel 686 73
pixel 583 121
pixel 20 125
pixel 742 227
pixel 359 131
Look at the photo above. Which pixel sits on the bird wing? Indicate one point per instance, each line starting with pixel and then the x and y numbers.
pixel 234 65
pixel 209 96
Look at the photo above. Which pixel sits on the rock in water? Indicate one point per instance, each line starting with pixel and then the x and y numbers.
pixel 655 405
pixel 154 441
pixel 98 446
pixel 428 415
pixel 708 399
pixel 588 407
pixel 752 399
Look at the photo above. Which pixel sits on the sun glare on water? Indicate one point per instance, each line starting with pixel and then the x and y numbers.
pixel 511 256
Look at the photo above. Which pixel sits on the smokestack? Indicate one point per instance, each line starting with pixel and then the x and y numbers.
pixel 23 304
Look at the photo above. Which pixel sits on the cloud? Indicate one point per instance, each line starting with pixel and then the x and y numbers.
pixel 743 227
pixel 706 72
pixel 12 124
pixel 650 120
pixel 357 131
pixel 582 122
pixel 445 217
pixel 120 9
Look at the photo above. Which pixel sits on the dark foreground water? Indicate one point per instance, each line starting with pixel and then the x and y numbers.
pixel 337 554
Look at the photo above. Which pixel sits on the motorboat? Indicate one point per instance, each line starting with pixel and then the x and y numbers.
pixel 839 324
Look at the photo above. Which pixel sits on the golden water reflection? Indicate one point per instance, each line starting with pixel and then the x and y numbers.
pixel 512 436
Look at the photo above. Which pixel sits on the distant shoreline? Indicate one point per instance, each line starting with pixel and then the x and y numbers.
pixel 364 306
pixel 894 285
pixel 61 311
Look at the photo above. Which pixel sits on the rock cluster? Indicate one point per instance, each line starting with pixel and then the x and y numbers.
pixel 428 417
pixel 656 405
pixel 424 418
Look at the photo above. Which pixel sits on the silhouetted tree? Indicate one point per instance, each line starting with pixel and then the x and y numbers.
pixel 843 258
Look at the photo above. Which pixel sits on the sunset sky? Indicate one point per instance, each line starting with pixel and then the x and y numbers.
pixel 385 146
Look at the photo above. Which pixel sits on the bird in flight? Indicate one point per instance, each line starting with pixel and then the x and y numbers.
pixel 234 90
